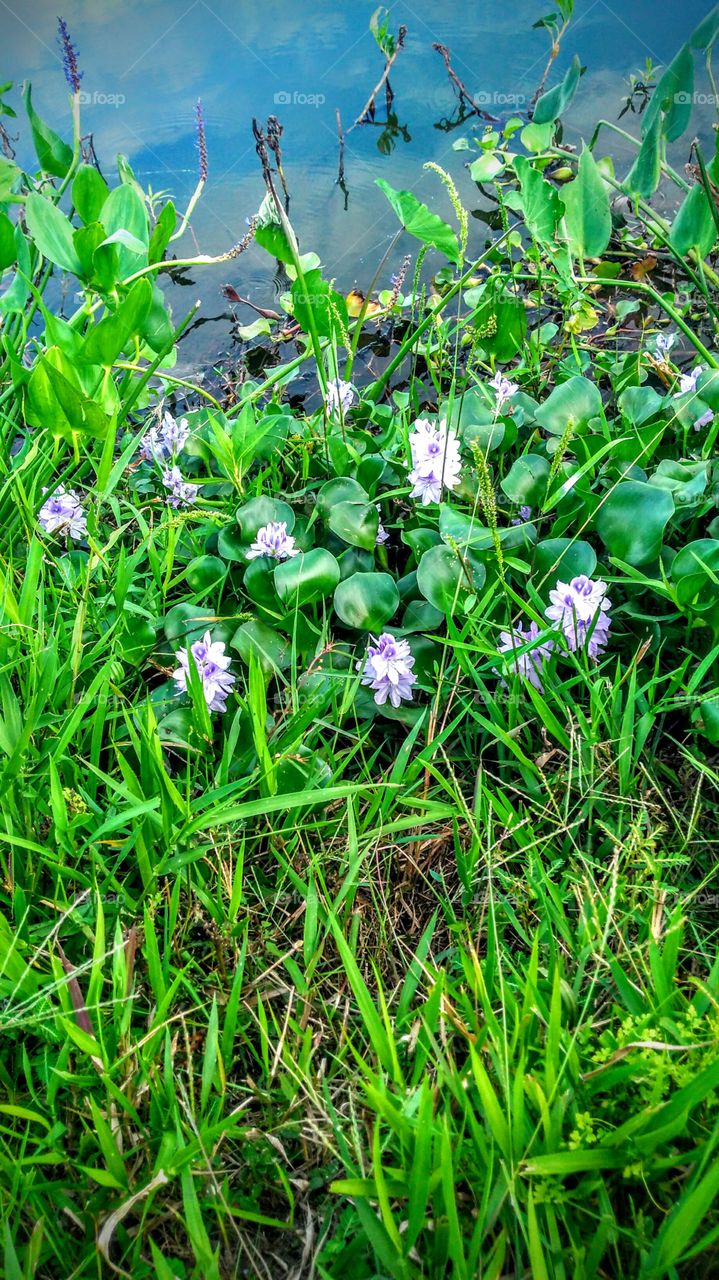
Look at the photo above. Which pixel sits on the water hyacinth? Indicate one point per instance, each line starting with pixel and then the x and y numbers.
pixel 387 669
pixel 688 381
pixel 273 540
pixel 527 665
pixel 63 513
pixel 212 665
pixel 182 493
pixel 664 343
pixel 581 609
pixel 166 441
pixel 503 388
pixel 382 534
pixel 340 395
pixel 436 462
pixel 704 421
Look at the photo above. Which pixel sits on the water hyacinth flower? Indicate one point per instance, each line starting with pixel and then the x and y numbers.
pixel 387 669
pixel 435 458
pixel 73 74
pixel 688 381
pixel 704 420
pixel 212 665
pixel 273 540
pixel 664 343
pixel 527 665
pixel 166 441
pixel 503 388
pixel 63 513
pixel 340 395
pixel 382 534
pixel 581 609
pixel 182 494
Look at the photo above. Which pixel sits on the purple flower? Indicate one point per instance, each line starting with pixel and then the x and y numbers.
pixel 69 57
pixel 664 343
pixel 436 460
pixel 382 534
pixel 582 611
pixel 387 669
pixel 525 513
pixel 503 387
pixel 340 395
pixel 182 494
pixel 704 420
pixel 528 665
pixel 273 540
pixel 212 665
pixel 63 513
pixel 688 381
pixel 166 441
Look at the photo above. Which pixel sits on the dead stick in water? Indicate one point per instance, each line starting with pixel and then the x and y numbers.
pixel 387 68
pixel 341 136
pixel 462 92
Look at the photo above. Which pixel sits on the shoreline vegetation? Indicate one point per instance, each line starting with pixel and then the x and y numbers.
pixel 359 783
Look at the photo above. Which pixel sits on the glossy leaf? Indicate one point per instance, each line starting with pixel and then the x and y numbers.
pixel 366 601
pixel 632 519
pixel 420 222
pixel 310 576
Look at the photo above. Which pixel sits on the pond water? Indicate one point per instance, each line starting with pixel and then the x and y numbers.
pixel 146 64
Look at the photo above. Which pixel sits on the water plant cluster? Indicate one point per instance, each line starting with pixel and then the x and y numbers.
pixel 358 756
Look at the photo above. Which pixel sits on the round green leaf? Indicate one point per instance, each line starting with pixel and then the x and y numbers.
pixel 307 577
pixel 446 581
pixel 561 559
pixel 576 401
pixel 258 512
pixel 272 649
pixel 367 600
pixel 205 572
pixel 356 523
pixel 343 489
pixel 632 519
pixel 527 479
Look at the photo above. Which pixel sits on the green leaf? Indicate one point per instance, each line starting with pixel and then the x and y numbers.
pixel 8 248
pixel 575 401
pixel 258 512
pixel 342 489
pixel 587 215
pixel 539 201
pixel 356 523
pixel 313 299
pixel 205 572
pixel 694 226
pixel 108 339
pixel 366 600
pixel 554 103
pixel 307 577
pixel 643 177
pixel 486 167
pixel 705 35
pixel 420 222
pixel 273 651
pixel 672 99
pixel 632 519
pixel 52 233
pixel 561 559
pixel 124 211
pixel 161 232
pixel 89 193
pixel 526 480
pixel 54 155
pixel 446 581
